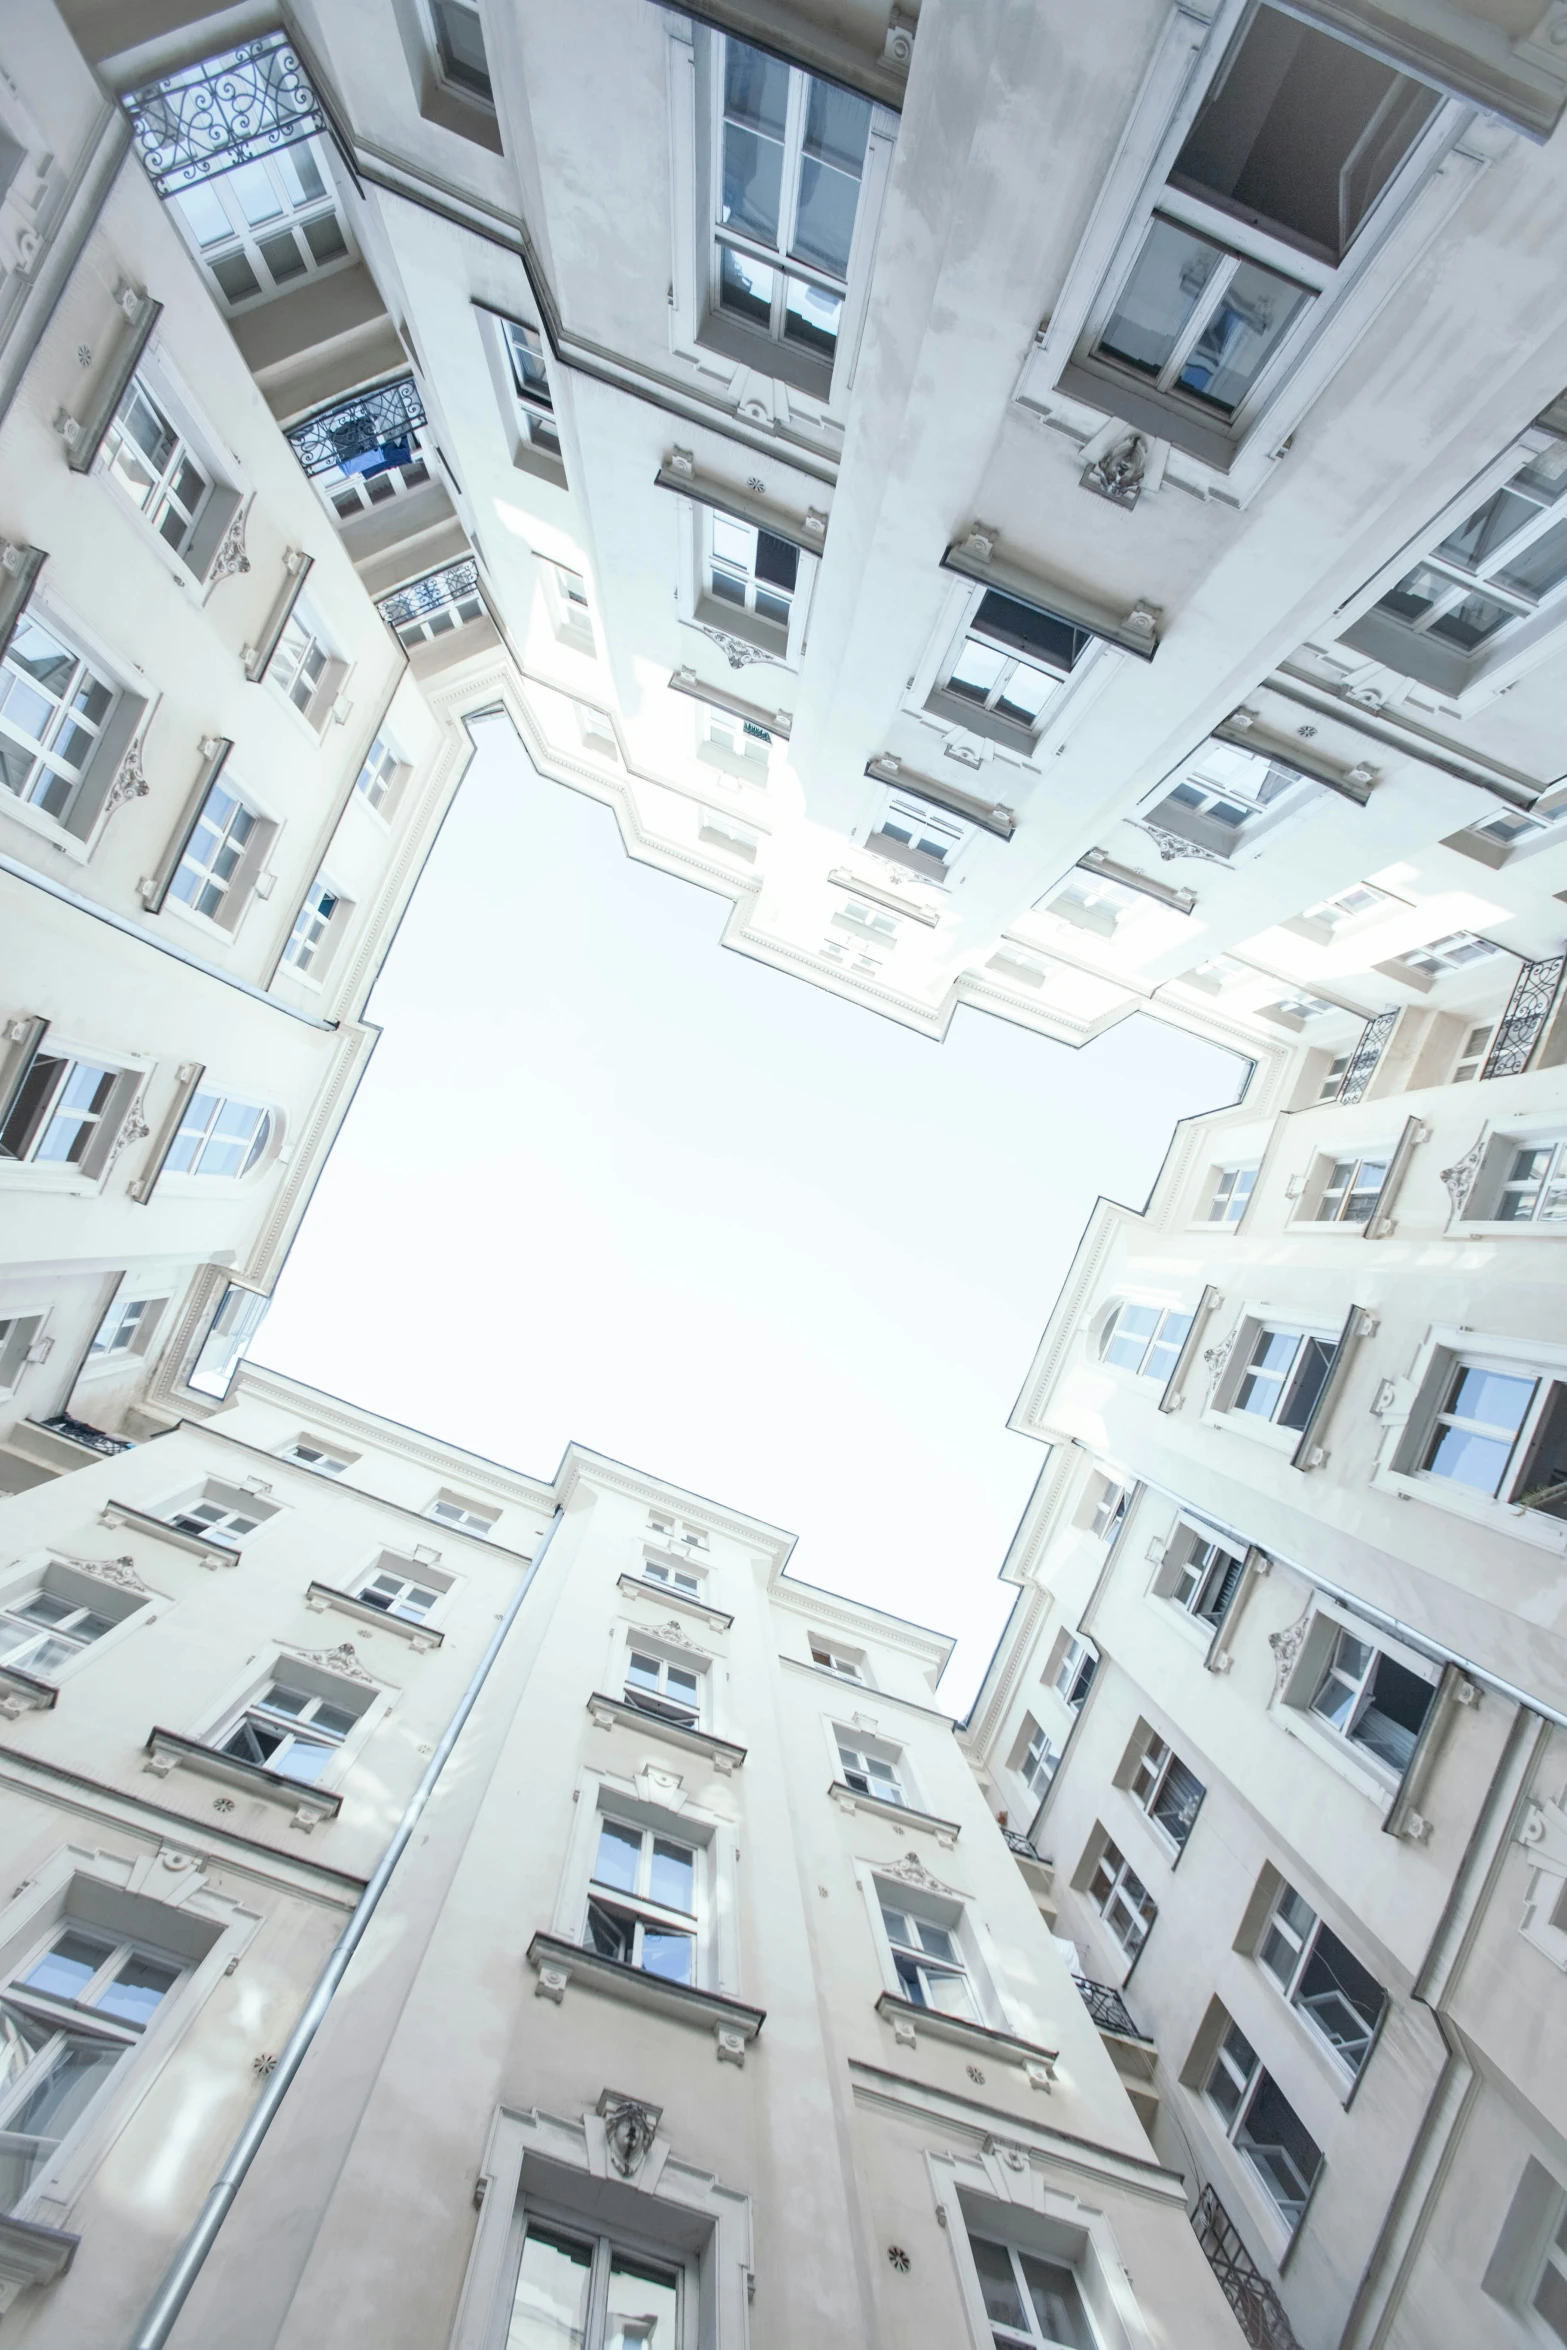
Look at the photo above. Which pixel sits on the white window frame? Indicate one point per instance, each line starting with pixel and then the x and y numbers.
pixel 125 1330
pixel 461 1517
pixel 740 749
pixel 687 1582
pixel 1036 2209
pixel 829 1656
pixel 1498 1178
pixel 21 1333
pixel 1153 1767
pixel 1326 1201
pixel 1229 776
pixel 347 495
pixel 917 837
pixel 1074 1670
pixel 458 74
pixel 954 1914
pixel 1129 1916
pixel 318 932
pixel 1248 2084
pixel 1192 1570
pixel 417 1595
pixel 200 1121
pixel 164 497
pixel 1160 1346
pixel 322 1461
pixel 718 547
pixel 603 2248
pixel 366 1704
pixel 71 784
pixel 102 1125
pixel 1223 1186
pixel 124 1607
pixel 1551 2263
pixel 222 870
pixel 297 214
pixel 1296 1709
pixel 216 1511
pixel 383 773
pixel 666 1698
pixel 960 628
pixel 1038 1760
pixel 1001 2333
pixel 307 669
pixel 652 1823
pixel 1409 1429
pixel 1471 1056
pixel 875 1762
pixel 1259 1331
pixel 1297 1945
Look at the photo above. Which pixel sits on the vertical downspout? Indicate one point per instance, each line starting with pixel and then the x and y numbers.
pixel 169 2299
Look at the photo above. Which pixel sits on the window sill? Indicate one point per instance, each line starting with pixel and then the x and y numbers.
pixel 166 1750
pixel 24 1693
pixel 31 2254
pixel 686 1599
pixel 319 1596
pixel 47 828
pixel 210 1554
pixel 557 1963
pixel 946 1832
pixel 908 2021
pixel 610 1712
pixel 1363 1777
pixel 1497 1517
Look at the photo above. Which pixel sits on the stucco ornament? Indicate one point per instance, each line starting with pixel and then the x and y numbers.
pixel 1118 474
pixel 342 1660
pixel 911 1870
pixel 121 1571
pixel 629 2129
pixel 735 649
pixel 1286 1647
pixel 1175 844
pixel 1459 1177
pixel 130 783
pixel 231 557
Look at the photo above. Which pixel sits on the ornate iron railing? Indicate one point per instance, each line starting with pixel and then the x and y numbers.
pixel 1529 1007
pixel 1363 1060
pixel 1023 1846
pixel 430 594
pixel 1256 2304
pixel 380 424
pixel 228 110
pixel 1108 2009
pixel 82 1432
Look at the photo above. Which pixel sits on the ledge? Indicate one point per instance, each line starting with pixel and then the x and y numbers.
pixel 679 473
pixel 344 1603
pixel 211 1554
pixel 608 1712
pixel 847 1798
pixel 167 1749
pixel 908 2021
pixel 990 815
pixel 841 878
pixel 662 1592
pixel 31 2254
pixel 974 557
pixel 557 1963
pixel 24 1693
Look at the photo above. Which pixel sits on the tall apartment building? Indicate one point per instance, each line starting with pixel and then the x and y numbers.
pixel 709 2006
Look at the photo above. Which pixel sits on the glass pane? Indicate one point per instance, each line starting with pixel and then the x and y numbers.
pixel 674 1875
pixel 756 88
pixel 610 1934
pixel 1159 297
pixel 777 561
pixel 236 279
pixel 1058 2305
pixel 753 182
pixel 550 2308
pixel 67 1968
pixel 1415 593
pixel 837 124
pixel 255 193
pixel 1541 566
pixel 204 213
pixel 1341 1998
pixel 138 1988
pixel 745 287
pixel 644 2303
pixel 1398 1702
pixel 305 1760
pixel 80 2068
pixel 1286 2157
pixel 325 237
pixel 824 216
pixel 1251 316
pixel 1472 621
pixel 976 670
pixel 1025 692
pixel 1003 2302
pixel 1488 529
pixel 283 257
pixel 667 1955
pixel 1550 2299
pixel 1315 1361
pixel 620 1851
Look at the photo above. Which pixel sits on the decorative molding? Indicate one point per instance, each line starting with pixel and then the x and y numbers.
pixel 1459 1177
pixel 133 1126
pixel 630 2127
pixel 911 1870
pixel 1119 474
pixel 231 558
pixel 735 649
pixel 1286 1647
pixel 342 1661
pixel 130 782
pixel 121 1571
pixel 1171 845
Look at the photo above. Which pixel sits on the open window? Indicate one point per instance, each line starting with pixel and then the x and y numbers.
pixel 1340 2001
pixel 646 1904
pixel 1280 1375
pixel 51 1621
pixel 61 1110
pixel 849 1663
pixel 752 582
pixel 666 1682
pixel 1169 1790
pixel 871 1765
pixel 1344 1191
pixel 1489 1429
pixel 1226 798
pixel 1005 667
pixel 1200 1576
pixel 1279 2152
pixel 295 1724
pixel 1372 1703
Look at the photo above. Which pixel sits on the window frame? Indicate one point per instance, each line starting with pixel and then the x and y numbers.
pixel 1402 1467
pixel 33 1117
pixel 391 776
pixel 1288 1985
pixel 1249 2085
pixel 1172 1327
pixel 1150 1776
pixel 74 821
pixel 307 655
pixel 1291 1386
pixel 1220 1188
pixel 234 886
pixel 1139 1910
pixel 150 1306
pixel 1296 1709
pixel 782 639
pixel 695 1925
pixel 961 627
pixel 244 239
pixel 201 1123
pixel 123 1608
pixel 1256 818
pixel 847 1663
pixel 1195 1584
pixel 367 1700
pixel 317 933
pixel 1320 1189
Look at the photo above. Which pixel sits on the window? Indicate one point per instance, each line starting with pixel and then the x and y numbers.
pixel 1232 1189
pixel 448 1510
pixel 304 666
pixel 531 383
pixel 1373 1701
pixel 1502 1432
pixel 790 154
pixel 1298 139
pixel 18 1334
pixel 1322 1980
pixel 1169 1793
pixel 386 470
pixel 459 41
pixel 642 1901
pixel 1038 1765
pixel 1009 662
pixel 220 859
pixel 65 1114
pixel 656 1686
pixel 219 1137
pixel 929 1965
pixel 290 1731
pixel 230 1334
pixel 46 1630
pixel 1146 1339
pixel 1227 795
pixel 837 1660
pixel 265 226
pixel 585 2293
pixel 1534 1189
pixel 1296 1010
pixel 70 2013
pixel 673 1578
pixel 1452 952
pixel 308 946
pixel 315 1456
pixel 1350 1192
pixel 218 1519
pixel 1093 902
pixel 155 467
pixel 1548 2300
pixel 868 1769
pixel 738 746
pixel 1283 1377
pixel 1350 905
pixel 1263 2126
pixel 1471 1059
pixel 1030 2303
pixel 1334 1077
pixel 125 1328
pixel 1122 1899
pixel 1109 1510
pixel 1482 583
pixel 752 569
pixel 53 710
pixel 381 776
pixel 671 1530
pixel 914 836
pixel 402 1596
pixel 1207 1577
pixel 1074 1675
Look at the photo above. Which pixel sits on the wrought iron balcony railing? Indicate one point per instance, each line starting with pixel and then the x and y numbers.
pixel 1529 1007
pixel 362 434
pixel 228 110
pixel 83 1433
pixel 1260 2312
pixel 1108 2009
pixel 1023 1846
pixel 1363 1060
pixel 453 591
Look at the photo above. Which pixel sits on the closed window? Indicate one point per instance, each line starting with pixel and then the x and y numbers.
pixel 1226 795
pixel 917 837
pixel 380 778
pixel 125 1328
pixel 65 1114
pixel 1169 1792
pixel 315 1456
pixel 304 666
pixel 1206 1577
pixel 657 1685
pixel 448 1510
pixel 220 857
pixel 1009 662
pixel 1373 1701
pixel 267 226
pixel 642 1903
pixel 289 1730
pixel 1534 1189
pixel 751 569
pixel 837 1660
pixel 1350 1191
pixel 1323 1982
pixel 1472 1054
pixel 219 1137
pixel 153 465
pixel 18 1335
pixel 1122 1899
pixel 1263 2126
pixel 310 940
pixel 1548 2298
pixel 1455 950
pixel 672 1578
pixel 47 1629
pixel 1500 1430
pixel 1146 1339
pixel 1350 905
pixel 1333 1078
pixel 928 1961
pixel 585 2292
pixel 403 1596
pixel 1109 1510
pixel 1232 1188
pixel 868 1769
pixel 70 2015
pixel 1039 1760
pixel 459 42
pixel 1074 1674
pixel 219 1517
pixel 1282 1377
pixel 790 155
pixel 1030 2303
pixel 531 383
pixel 54 706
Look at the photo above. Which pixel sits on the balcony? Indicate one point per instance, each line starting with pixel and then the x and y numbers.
pixel 1258 2309
pixel 230 109
pixel 358 439
pixel 1132 2053
pixel 434 607
pixel 1367 1053
pixel 1038 1872
pixel 53 1447
pixel 1523 1023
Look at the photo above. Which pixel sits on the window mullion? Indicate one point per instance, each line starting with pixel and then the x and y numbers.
pixel 1208 302
pixel 793 157
pixel 598 2295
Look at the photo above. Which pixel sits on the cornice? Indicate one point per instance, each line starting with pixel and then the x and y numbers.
pixel 1106 1222
pixel 406 1444
pixel 835 1607
pixel 298 1471
pixel 863 1694
pixel 579 1466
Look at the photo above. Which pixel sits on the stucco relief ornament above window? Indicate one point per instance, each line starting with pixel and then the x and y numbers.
pixel 1459 1178
pixel 1216 1357
pixel 735 650
pixel 1118 475
pixel 674 1632
pixel 1286 1647
pixel 231 557
pixel 1175 844
pixel 120 1571
pixel 133 1127
pixel 629 2130
pixel 342 1660
pixel 911 1870
pixel 129 781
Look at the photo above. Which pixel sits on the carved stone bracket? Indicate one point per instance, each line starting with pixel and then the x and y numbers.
pixel 129 781
pixel 1286 1647
pixel 730 2045
pixel 736 651
pixel 1118 475
pixel 630 2127
pixel 1459 1178
pixel 231 557
pixel 1171 845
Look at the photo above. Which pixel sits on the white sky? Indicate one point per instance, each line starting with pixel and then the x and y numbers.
pixel 607 1180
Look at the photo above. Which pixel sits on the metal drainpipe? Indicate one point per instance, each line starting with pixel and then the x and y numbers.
pixel 169 2299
